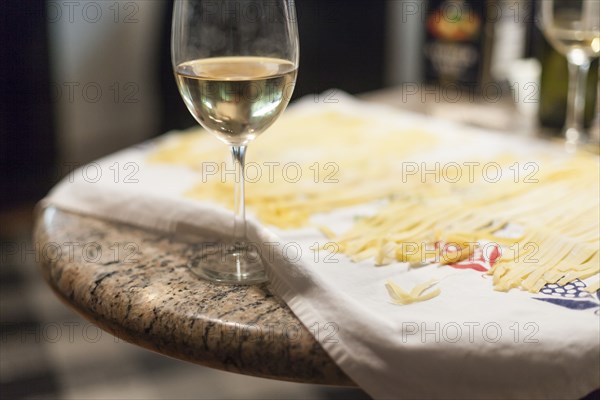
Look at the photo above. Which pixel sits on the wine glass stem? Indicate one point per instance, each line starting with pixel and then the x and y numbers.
pixel 578 72
pixel 239 223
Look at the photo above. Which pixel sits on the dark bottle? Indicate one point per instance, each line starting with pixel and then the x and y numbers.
pixel 454 50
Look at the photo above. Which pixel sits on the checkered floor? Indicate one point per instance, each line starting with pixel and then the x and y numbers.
pixel 47 351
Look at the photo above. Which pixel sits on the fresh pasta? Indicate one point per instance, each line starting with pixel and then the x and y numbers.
pixel 346 161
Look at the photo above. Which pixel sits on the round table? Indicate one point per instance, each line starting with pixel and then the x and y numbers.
pixel 136 285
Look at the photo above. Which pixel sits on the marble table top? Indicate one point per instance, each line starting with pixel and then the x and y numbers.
pixel 135 284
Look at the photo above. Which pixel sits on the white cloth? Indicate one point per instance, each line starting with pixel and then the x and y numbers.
pixel 469 342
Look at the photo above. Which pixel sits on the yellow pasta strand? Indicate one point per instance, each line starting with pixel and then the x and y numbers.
pixel 346 161
pixel 399 296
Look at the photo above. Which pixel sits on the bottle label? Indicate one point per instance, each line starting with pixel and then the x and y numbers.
pixel 454 41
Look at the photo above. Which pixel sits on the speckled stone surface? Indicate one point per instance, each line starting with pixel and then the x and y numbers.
pixel 136 285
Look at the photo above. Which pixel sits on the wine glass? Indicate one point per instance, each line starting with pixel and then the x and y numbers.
pixel 573 29
pixel 235 63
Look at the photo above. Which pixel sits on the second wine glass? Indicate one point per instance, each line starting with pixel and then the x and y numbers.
pixel 235 63
pixel 573 29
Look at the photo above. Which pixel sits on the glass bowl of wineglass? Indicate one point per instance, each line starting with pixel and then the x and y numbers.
pixel 573 28
pixel 235 62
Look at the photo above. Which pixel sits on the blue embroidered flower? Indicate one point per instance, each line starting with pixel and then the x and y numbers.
pixel 571 295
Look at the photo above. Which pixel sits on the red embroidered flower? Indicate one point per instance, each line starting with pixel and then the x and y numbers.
pixel 483 258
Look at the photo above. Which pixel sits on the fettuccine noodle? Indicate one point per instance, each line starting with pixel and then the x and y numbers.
pixel 346 161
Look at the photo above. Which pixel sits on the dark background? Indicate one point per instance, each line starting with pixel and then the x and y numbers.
pixel 332 35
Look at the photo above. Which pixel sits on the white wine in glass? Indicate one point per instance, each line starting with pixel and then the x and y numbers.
pixel 237 98
pixel 573 29
pixel 235 62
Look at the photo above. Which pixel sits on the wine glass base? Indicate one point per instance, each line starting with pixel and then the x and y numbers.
pixel 235 265
pixel 574 139
pixel 574 135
